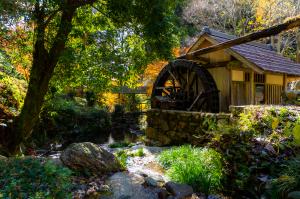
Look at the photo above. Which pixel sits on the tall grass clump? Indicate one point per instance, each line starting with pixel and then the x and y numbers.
pixel 288 180
pixel 199 167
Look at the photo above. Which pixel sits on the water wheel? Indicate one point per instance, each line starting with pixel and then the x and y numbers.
pixel 185 85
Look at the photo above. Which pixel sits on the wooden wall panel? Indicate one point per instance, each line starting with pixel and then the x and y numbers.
pixel 222 78
pixel 273 94
pixel 214 57
pixel 237 75
pixel 238 93
pixel 274 79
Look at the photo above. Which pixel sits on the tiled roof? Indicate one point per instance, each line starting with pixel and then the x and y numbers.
pixel 259 54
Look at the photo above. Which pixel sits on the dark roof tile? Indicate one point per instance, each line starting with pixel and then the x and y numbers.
pixel 260 54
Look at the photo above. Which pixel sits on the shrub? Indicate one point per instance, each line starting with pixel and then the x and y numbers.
pixel 68 121
pixel 288 179
pixel 12 92
pixel 199 167
pixel 33 178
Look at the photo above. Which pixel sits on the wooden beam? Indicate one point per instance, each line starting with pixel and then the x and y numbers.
pixel 217 64
pixel 202 59
pixel 252 88
pixel 274 30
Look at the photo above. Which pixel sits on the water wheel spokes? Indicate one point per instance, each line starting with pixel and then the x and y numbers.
pixel 184 85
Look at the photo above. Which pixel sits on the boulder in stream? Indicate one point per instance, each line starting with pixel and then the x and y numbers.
pixel 90 157
pixel 180 191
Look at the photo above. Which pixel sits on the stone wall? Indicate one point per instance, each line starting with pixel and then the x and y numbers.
pixel 171 127
pixel 167 127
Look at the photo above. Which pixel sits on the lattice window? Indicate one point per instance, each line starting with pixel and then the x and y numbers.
pixel 259 78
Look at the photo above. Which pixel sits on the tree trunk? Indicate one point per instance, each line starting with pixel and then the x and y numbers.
pixel 41 72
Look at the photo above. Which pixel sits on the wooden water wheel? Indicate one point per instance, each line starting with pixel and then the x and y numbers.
pixel 185 85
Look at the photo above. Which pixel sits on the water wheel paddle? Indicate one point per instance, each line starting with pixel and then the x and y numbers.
pixel 185 85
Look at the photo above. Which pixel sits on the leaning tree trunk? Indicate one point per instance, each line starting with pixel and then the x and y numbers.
pixel 44 62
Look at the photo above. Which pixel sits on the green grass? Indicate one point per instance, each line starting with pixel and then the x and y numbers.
pixel 140 152
pixel 122 157
pixel 288 179
pixel 199 167
pixel 137 153
pixel 119 145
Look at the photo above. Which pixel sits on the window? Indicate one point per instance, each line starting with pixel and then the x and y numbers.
pixel 259 94
pixel 259 78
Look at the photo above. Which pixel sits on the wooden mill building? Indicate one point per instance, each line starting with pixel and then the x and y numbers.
pixel 251 73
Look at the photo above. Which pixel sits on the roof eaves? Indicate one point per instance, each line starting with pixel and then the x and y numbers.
pixel 203 33
pixel 238 56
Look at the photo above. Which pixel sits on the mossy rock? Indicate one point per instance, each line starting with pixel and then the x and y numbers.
pixel 89 157
pixel 3 158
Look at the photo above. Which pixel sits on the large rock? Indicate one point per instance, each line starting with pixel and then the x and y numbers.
pixel 180 191
pixel 3 158
pixel 90 157
pixel 129 186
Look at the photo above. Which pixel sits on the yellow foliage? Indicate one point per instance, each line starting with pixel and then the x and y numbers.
pixel 153 69
pixel 296 134
pixel 109 100
pixel 275 123
pixel 151 73
pixel 270 12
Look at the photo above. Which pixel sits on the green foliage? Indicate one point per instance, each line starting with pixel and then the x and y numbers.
pixel 12 92
pixel 66 120
pixel 136 153
pixel 288 179
pixel 199 167
pixel 246 121
pixel 122 157
pixel 210 124
pixel 119 144
pixel 272 124
pixel 6 67
pixel 113 41
pixel 33 178
pixel 254 150
pixel 140 152
pixel 296 132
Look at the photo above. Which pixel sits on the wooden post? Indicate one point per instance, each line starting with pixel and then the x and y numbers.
pixel 252 86
pixel 230 87
pixel 284 82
